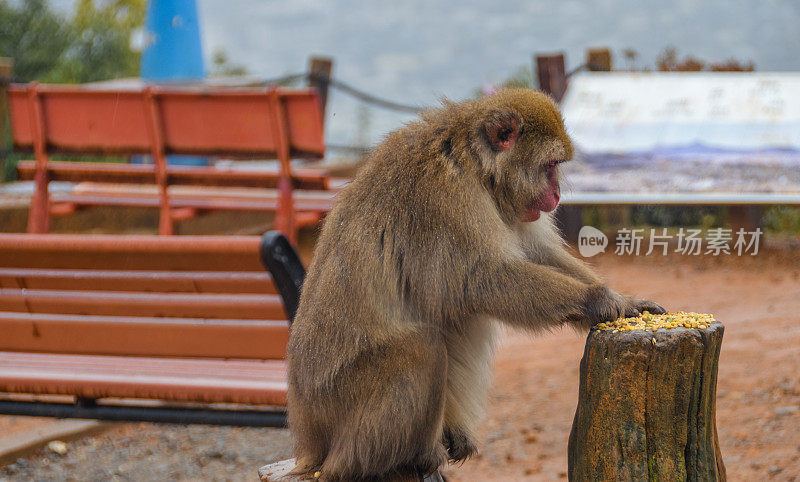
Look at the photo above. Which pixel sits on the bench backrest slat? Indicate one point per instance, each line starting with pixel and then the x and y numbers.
pixel 269 123
pixel 239 123
pixel 82 121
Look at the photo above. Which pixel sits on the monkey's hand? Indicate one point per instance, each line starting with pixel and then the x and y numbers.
pixel 604 304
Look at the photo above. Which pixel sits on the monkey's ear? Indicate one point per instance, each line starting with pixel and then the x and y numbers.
pixel 502 127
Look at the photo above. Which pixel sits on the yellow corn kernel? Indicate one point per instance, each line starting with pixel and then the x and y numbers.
pixel 649 321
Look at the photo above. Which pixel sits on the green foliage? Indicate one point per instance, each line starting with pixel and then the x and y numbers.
pixel 678 216
pixel 521 78
pixel 34 36
pixel 100 46
pixel 9 166
pixel 776 219
pixel 222 67
pixel 93 44
pixel 782 219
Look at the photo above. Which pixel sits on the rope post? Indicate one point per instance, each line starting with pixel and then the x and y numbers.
pixel 552 75
pixel 598 60
pixel 320 77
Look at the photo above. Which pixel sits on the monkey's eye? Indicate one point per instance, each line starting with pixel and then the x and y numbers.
pixel 503 135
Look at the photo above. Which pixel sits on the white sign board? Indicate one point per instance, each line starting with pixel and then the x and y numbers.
pixel 629 112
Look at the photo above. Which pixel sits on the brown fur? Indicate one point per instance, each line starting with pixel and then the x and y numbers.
pixel 390 352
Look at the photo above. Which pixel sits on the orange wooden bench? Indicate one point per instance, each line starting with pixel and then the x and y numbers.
pixel 243 124
pixel 145 328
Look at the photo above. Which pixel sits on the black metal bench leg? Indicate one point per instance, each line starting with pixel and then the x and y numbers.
pixel 283 263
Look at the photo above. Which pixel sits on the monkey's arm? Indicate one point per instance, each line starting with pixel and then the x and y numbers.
pixel 543 245
pixel 559 258
pixel 555 255
pixel 534 296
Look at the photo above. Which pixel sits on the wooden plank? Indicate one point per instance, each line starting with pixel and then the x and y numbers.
pixel 281 472
pixel 137 252
pixel 127 303
pixel 206 381
pixel 207 122
pixel 143 336
pixel 130 365
pixel 70 171
pixel 21 444
pixel 142 280
pixel 210 203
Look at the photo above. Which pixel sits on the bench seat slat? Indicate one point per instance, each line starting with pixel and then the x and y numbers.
pixel 75 171
pixel 140 336
pixel 133 280
pixel 222 204
pixel 125 303
pixel 192 367
pixel 173 382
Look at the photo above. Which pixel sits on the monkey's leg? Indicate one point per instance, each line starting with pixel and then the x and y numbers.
pixel 395 424
pixel 469 364
pixel 309 424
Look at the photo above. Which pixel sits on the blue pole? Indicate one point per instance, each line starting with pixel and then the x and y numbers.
pixel 173 51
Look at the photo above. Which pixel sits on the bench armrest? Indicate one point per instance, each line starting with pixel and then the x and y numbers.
pixel 283 263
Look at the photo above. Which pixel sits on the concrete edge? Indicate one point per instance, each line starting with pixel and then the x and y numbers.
pixel 20 444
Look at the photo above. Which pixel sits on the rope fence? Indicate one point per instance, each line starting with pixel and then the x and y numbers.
pixel 345 88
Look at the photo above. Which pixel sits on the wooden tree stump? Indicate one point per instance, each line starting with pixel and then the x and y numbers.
pixel 647 406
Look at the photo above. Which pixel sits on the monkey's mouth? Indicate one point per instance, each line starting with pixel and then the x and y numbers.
pixel 548 200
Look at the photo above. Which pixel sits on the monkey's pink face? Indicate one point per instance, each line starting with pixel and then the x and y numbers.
pixel 525 142
pixel 548 200
pixel 528 165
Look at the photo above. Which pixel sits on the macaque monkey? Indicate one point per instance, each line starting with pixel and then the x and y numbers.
pixel 444 230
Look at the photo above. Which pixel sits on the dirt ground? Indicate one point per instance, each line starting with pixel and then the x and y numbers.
pixel 530 409
pixel 758 406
